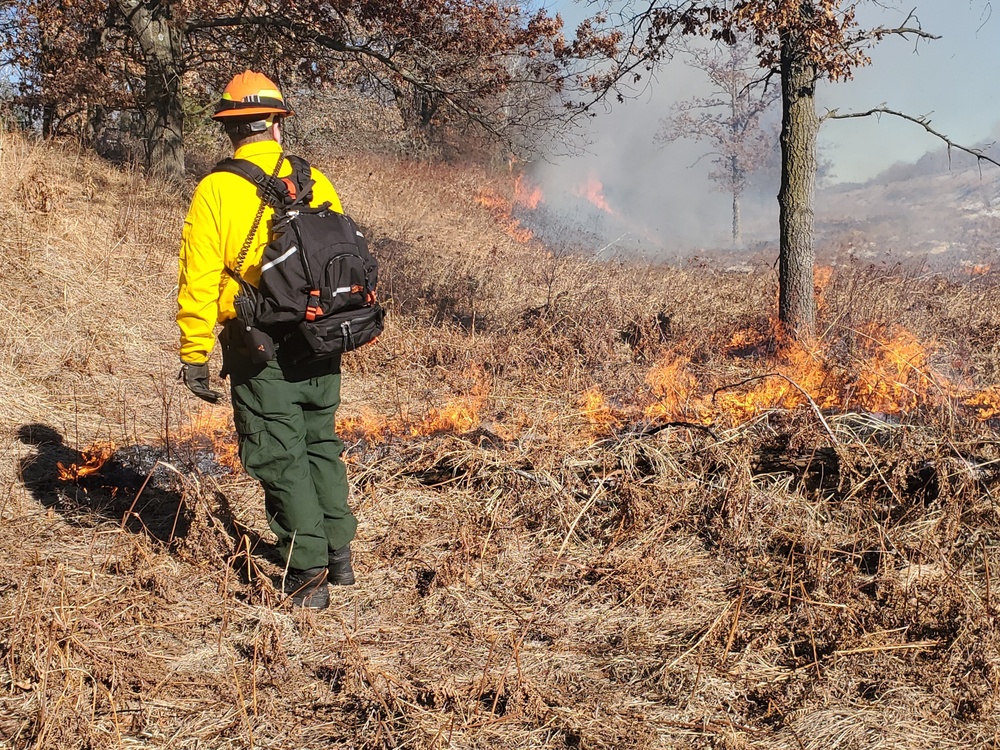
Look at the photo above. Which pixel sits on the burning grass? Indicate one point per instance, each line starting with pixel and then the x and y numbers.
pixel 602 505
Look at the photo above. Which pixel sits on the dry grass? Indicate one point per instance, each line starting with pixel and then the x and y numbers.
pixel 542 563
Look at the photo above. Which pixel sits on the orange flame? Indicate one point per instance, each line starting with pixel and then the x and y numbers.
pixel 896 375
pixel 796 372
pixel 893 375
pixel 502 211
pixel 596 411
pixel 461 414
pixel 593 191
pixel 458 416
pixel 674 386
pixel 212 430
pixel 821 280
pixel 526 194
pixel 746 339
pixel 92 459
pixel 986 402
pixel 980 269
pixel 366 426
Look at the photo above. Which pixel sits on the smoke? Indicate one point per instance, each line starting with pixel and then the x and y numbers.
pixel 665 203
pixel 660 200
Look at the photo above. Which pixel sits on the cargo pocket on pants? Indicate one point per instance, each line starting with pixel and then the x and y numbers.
pixel 249 431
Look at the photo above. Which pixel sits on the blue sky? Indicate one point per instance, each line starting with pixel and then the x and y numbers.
pixel 954 80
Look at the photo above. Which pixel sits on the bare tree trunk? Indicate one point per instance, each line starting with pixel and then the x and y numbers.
pixel 737 221
pixel 48 120
pixel 160 41
pixel 48 68
pixel 799 129
pixel 734 165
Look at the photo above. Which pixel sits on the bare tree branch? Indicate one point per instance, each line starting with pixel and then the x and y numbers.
pixel 903 30
pixel 921 121
pixel 450 97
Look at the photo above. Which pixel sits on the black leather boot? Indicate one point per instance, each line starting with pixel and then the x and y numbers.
pixel 308 588
pixel 341 572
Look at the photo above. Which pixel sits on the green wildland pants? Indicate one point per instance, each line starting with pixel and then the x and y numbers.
pixel 287 441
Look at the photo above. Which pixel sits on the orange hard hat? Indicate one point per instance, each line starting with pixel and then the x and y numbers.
pixel 250 94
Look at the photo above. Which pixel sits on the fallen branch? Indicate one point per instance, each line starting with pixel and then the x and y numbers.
pixel 891 647
pixel 652 429
pixel 796 386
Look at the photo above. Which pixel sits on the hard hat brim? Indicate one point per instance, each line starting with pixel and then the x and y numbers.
pixel 244 113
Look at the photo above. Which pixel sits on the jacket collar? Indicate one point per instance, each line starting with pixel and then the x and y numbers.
pixel 260 148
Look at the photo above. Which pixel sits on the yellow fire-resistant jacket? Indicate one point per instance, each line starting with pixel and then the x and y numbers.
pixel 219 220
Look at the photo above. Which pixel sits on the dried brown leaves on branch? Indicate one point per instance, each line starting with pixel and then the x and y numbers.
pixel 501 68
pixel 826 31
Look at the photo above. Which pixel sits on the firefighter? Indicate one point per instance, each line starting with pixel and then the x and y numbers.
pixel 284 415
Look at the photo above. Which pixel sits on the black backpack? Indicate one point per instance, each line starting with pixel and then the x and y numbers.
pixel 317 286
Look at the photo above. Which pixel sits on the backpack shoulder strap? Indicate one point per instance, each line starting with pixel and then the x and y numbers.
pixel 256 175
pixel 278 196
pixel 302 180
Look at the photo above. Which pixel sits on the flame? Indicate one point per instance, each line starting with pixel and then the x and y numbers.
pixel 980 269
pixel 502 211
pixel 596 411
pixel 91 461
pixel 896 375
pixel 674 387
pixel 462 413
pixel 457 416
pixel 821 280
pixel 366 426
pixel 526 194
pixel 797 373
pixel 593 191
pixel 986 402
pixel 892 375
pixel 212 430
pixel 746 339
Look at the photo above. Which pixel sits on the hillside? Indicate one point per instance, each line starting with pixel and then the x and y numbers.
pixel 939 213
pixel 940 210
pixel 601 505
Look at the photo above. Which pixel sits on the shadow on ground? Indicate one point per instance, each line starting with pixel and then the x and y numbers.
pixel 139 490
pixel 146 501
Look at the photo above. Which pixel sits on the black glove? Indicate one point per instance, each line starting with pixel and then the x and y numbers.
pixel 196 379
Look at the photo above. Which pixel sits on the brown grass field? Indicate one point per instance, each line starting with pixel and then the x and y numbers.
pixel 582 525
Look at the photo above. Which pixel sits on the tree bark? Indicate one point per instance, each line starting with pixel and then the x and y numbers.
pixel 799 129
pixel 161 44
pixel 48 120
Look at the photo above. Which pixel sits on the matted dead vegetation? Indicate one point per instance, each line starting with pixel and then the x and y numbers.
pixel 601 505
